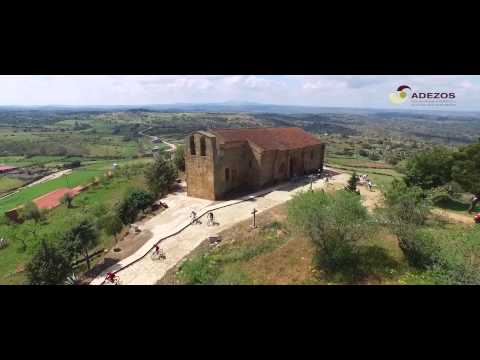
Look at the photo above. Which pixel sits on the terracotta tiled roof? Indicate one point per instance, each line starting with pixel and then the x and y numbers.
pixel 269 138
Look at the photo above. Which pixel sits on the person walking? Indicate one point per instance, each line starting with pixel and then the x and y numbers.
pixel 210 220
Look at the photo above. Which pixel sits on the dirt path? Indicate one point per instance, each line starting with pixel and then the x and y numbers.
pixel 373 199
pixel 370 199
pixel 455 217
pixel 173 147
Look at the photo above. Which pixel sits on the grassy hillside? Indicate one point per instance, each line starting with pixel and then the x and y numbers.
pixel 274 254
pixel 96 200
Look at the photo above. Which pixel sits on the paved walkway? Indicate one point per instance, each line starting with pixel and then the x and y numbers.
pixel 178 237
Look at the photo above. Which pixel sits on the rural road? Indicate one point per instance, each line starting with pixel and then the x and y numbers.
pixel 140 269
pixel 172 147
pixel 50 177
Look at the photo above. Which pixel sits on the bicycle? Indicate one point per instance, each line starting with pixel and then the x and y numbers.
pixel 114 281
pixel 160 255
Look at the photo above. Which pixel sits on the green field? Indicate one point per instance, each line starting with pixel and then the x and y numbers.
pixel 9 183
pixel 60 219
pixel 78 177
pixel 81 176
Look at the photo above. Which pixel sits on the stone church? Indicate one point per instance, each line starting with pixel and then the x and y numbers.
pixel 222 162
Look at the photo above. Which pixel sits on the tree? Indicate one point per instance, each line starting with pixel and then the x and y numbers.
pixel 352 183
pixel 466 170
pixel 431 168
pixel 135 200
pixel 49 266
pixel 160 176
pixel 32 212
pixel 363 152
pixel 112 225
pixel 334 223
pixel 179 158
pixel 80 239
pixel 67 200
pixel 405 209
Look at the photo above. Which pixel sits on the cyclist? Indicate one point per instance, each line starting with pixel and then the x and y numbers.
pixel 193 216
pixel 111 277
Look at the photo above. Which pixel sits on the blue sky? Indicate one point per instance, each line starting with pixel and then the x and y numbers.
pixel 366 91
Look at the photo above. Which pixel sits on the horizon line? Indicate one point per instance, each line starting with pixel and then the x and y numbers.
pixel 235 103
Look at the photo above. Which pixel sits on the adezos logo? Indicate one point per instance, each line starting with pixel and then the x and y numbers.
pixel 422 98
pixel 401 95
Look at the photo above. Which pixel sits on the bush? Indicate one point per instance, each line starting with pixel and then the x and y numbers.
pixel 72 165
pixel 352 183
pixel 406 204
pixel 199 270
pixel 135 200
pixel 405 210
pixel 363 152
pixel 419 248
pixel 374 156
pixel 67 200
pixel 160 176
pixel 31 212
pixel 179 159
pixel 454 263
pixel 334 223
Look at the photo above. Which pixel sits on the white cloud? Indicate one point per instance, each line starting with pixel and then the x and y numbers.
pixel 318 90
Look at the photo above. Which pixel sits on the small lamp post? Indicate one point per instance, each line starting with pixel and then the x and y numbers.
pixel 311 182
pixel 254 211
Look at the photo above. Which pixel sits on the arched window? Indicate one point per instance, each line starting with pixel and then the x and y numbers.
pixel 192 145
pixel 227 174
pixel 203 147
pixel 282 168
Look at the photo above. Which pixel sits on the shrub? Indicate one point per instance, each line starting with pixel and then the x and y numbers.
pixel 363 152
pixel 232 275
pixel 67 200
pixel 31 212
pixel 179 159
pixel 199 270
pixel 374 156
pixel 406 208
pixel 135 200
pixel 72 165
pixel 352 183
pixel 160 176
pixel 419 247
pixel 454 262
pixel 334 223
pixel 406 204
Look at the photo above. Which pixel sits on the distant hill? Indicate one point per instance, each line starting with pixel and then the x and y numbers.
pixel 239 107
